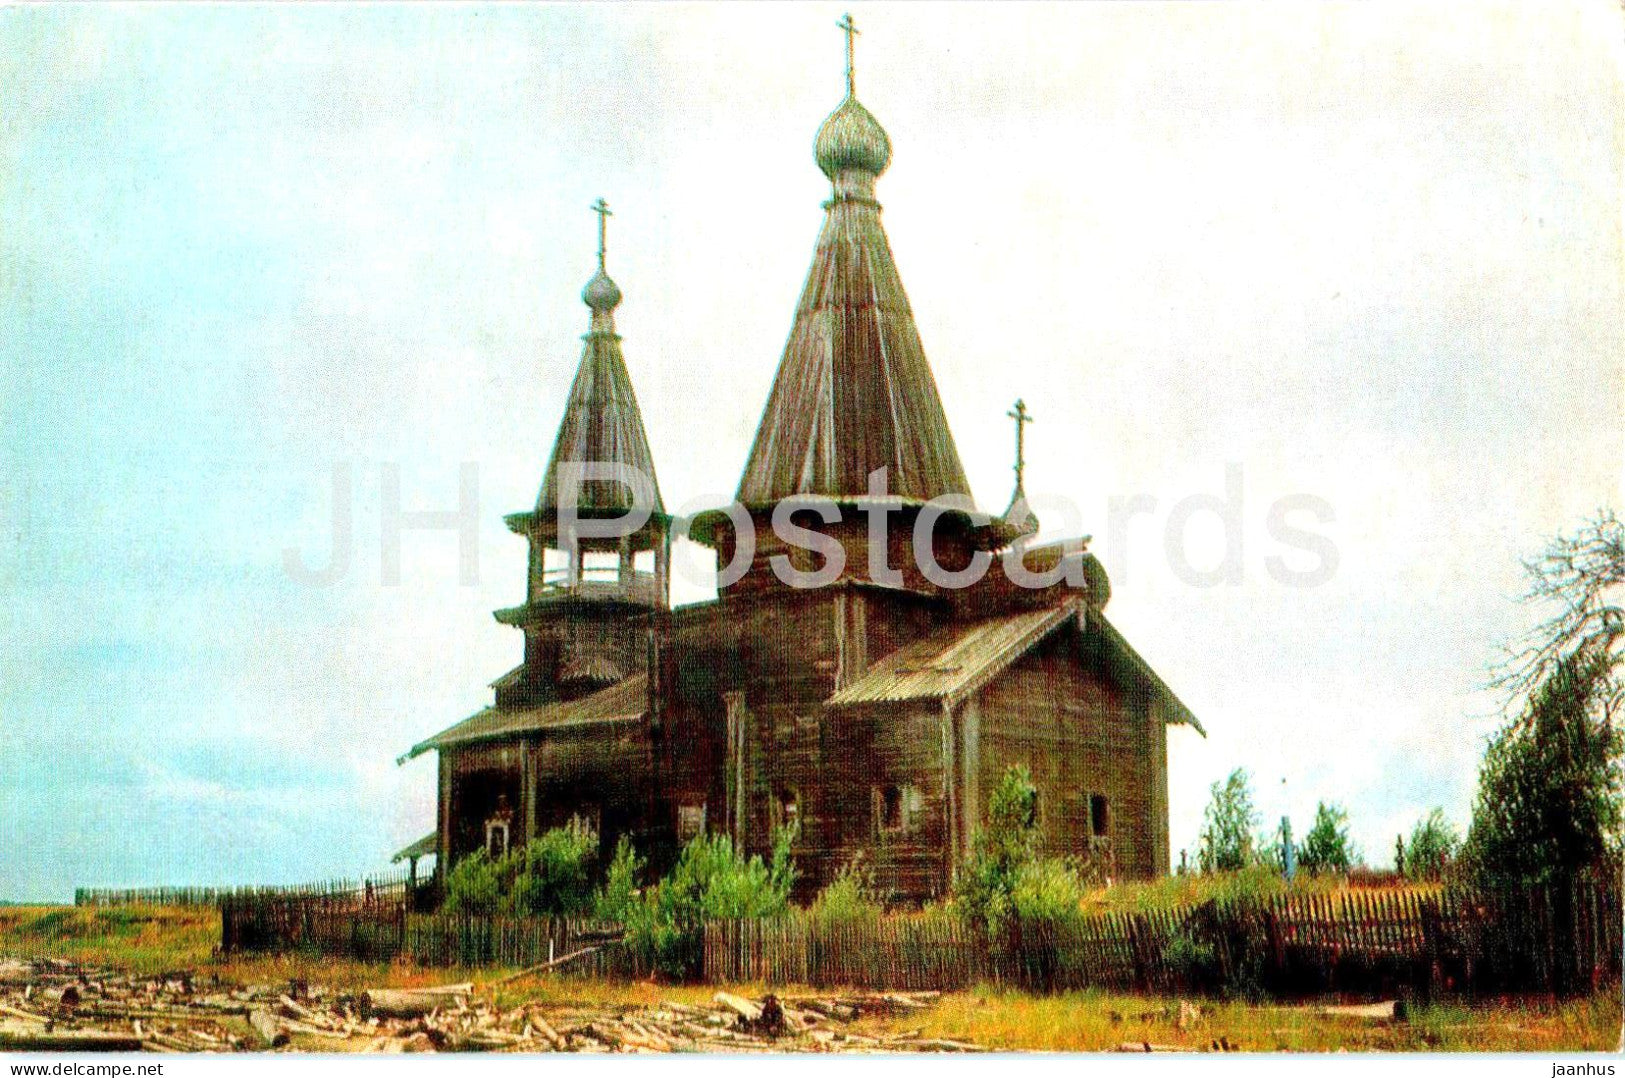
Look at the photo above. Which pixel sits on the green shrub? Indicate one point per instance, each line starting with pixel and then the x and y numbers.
pixel 711 881
pixel 476 884
pixel 984 886
pixel 850 898
pixel 1193 963
pixel 1048 889
pixel 552 876
pixel 1004 879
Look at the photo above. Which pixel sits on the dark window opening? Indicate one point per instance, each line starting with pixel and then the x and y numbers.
pixel 1099 817
pixel 897 809
pixel 891 808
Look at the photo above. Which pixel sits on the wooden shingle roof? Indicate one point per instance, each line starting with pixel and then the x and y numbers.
pixel 625 701
pixel 854 390
pixel 427 846
pixel 602 422
pixel 958 661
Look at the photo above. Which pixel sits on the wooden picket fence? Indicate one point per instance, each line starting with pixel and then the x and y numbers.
pixel 1528 939
pixel 214 896
pixel 365 922
pixel 522 943
pixel 349 926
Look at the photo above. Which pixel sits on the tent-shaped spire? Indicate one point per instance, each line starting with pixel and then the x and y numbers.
pixel 602 423
pixel 854 390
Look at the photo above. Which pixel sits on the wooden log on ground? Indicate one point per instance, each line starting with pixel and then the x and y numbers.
pixel 464 989
pixel 67 1040
pixel 1147 1046
pixel 741 1006
pixel 1385 1011
pixel 405 1002
pixel 17 1012
pixel 270 1031
pixel 934 1044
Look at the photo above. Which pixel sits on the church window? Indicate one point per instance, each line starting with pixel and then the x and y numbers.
pixel 589 816
pixel 497 828
pixel 891 809
pixel 786 809
pixel 897 809
pixel 1099 817
pixel 690 821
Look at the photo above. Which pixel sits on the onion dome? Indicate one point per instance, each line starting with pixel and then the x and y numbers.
pixel 601 294
pixel 852 138
pixel 854 391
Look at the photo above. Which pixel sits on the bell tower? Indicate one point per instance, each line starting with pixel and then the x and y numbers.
pixel 599 536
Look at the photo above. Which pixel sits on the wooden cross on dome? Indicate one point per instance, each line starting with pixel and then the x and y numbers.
pixel 851 29
pixel 601 208
pixel 1022 417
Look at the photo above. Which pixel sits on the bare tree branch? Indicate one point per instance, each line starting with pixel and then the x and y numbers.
pixel 1581 577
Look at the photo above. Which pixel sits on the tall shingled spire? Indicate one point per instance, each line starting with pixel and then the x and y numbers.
pixel 854 390
pixel 602 423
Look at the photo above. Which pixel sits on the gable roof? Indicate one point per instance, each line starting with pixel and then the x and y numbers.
pixel 956 662
pixel 625 701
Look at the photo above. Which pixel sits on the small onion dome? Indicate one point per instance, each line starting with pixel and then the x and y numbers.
pixel 852 138
pixel 601 293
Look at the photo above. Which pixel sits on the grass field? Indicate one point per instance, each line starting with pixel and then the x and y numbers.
pixel 159 940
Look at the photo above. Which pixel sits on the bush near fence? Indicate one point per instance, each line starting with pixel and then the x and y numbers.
pixel 1527 939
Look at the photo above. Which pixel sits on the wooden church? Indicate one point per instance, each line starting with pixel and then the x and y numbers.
pixel 874 710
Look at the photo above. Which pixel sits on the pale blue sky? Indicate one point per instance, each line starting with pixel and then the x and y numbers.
pixel 1363 252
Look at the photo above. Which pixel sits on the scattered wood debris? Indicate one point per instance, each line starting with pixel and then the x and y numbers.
pixel 55 1005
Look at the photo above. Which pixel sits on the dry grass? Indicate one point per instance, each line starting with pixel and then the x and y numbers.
pixel 135 938
pixel 1101 1021
pixel 157 940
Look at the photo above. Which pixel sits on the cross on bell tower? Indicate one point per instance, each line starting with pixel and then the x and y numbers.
pixel 851 29
pixel 1022 417
pixel 601 208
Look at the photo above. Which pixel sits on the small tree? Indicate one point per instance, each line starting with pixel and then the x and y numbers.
pixel 982 890
pixel 1549 794
pixel 711 881
pixel 1005 879
pixel 619 893
pixel 1433 846
pixel 1226 842
pixel 1327 848
pixel 552 876
pixel 1580 579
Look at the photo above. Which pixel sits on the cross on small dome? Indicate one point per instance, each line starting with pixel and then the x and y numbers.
pixel 601 294
pixel 851 138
